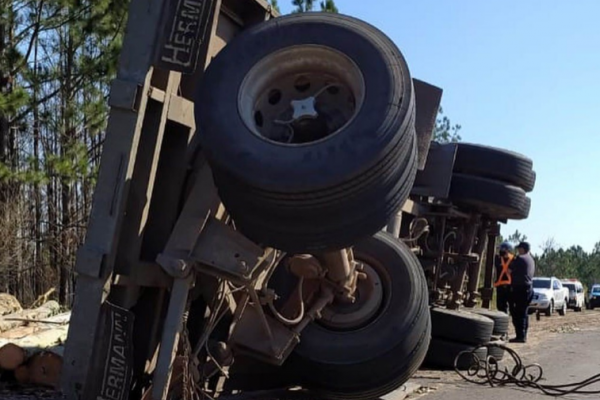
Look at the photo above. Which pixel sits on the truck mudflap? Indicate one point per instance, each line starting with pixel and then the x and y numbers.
pixel 113 357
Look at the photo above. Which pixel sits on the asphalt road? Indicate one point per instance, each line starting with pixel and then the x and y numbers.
pixel 566 357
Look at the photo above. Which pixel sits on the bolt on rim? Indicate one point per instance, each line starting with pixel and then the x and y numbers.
pixel 301 95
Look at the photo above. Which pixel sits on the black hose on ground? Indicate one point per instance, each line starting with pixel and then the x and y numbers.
pixel 489 372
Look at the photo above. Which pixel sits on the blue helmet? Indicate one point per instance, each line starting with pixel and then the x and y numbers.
pixel 506 247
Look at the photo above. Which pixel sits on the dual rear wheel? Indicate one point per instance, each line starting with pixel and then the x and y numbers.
pixel 308 123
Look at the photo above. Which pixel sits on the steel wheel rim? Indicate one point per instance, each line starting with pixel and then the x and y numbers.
pixel 373 295
pixel 301 95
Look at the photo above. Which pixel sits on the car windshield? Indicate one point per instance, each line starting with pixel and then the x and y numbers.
pixel 596 289
pixel 571 286
pixel 542 284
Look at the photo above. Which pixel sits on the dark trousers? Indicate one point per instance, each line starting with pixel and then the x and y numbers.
pixel 503 298
pixel 520 298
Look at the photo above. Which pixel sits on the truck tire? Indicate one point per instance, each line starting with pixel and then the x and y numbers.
pixel 350 164
pixel 442 354
pixel 492 198
pixel 496 352
pixel 461 326
pixel 494 163
pixel 379 355
pixel 501 320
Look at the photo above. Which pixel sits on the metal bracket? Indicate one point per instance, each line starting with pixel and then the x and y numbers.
pixel 249 337
pixel 223 252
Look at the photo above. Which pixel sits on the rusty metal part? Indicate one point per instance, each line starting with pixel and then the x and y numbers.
pixel 223 252
pixel 262 337
pixel 269 340
pixel 488 291
pixel 469 231
pixel 300 299
pixel 475 267
pixel 326 297
pixel 341 270
pixel 369 297
pixel 306 266
pixel 440 255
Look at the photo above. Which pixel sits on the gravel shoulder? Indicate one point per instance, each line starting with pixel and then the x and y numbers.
pixel 547 333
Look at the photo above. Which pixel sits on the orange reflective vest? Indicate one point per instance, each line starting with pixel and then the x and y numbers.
pixel 504 278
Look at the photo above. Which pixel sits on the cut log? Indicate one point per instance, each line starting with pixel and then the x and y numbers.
pixel 41 338
pixel 42 369
pixel 14 352
pixel 23 317
pixel 34 326
pixel 12 356
pixel 60 319
pixel 9 304
pixel 22 374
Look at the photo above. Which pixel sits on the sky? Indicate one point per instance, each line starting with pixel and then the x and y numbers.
pixel 522 75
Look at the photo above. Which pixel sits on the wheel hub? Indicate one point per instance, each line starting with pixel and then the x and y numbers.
pixel 304 109
pixel 342 315
pixel 301 95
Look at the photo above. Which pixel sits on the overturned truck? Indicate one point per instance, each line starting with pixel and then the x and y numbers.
pixel 271 211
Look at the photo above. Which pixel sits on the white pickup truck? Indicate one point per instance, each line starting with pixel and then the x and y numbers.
pixel 549 295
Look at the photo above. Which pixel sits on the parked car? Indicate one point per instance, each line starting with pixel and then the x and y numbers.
pixel 576 294
pixel 549 295
pixel 594 297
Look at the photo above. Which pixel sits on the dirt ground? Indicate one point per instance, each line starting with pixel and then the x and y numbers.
pixel 544 330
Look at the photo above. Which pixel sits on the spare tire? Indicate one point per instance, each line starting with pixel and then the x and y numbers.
pixel 495 351
pixel 443 353
pixel 494 163
pixel 492 198
pixel 307 121
pixel 461 326
pixel 501 320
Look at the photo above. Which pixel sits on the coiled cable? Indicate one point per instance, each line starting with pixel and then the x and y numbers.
pixel 489 372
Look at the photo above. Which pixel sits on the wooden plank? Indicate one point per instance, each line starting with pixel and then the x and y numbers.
pixel 181 110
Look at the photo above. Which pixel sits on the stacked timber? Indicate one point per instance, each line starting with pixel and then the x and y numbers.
pixel 31 343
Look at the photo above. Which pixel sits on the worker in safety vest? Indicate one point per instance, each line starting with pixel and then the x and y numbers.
pixel 503 278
